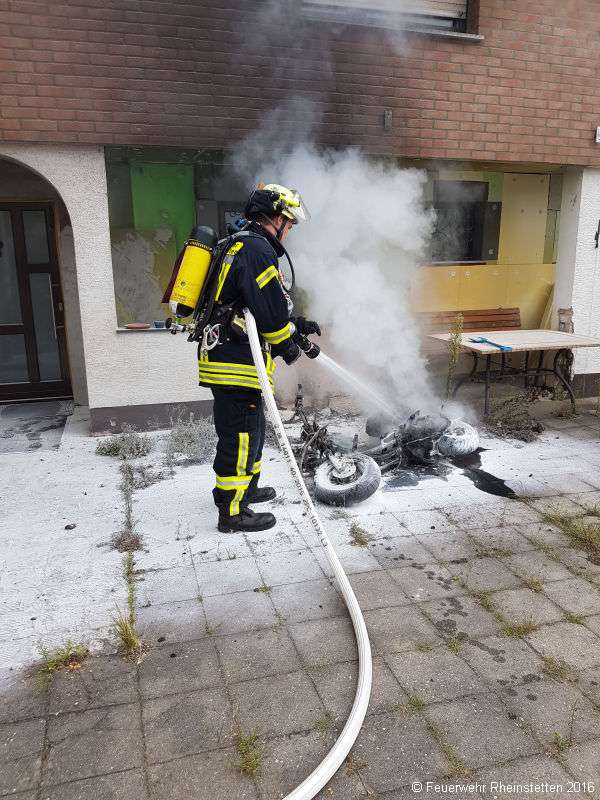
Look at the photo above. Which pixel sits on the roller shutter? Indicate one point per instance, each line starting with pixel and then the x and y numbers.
pixel 442 9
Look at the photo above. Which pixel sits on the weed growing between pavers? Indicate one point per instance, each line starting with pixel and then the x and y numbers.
pixel 560 743
pixel 414 705
pixel 454 351
pixel 69 657
pixel 353 764
pixel 557 669
pixel 510 418
pixel 514 629
pixel 454 645
pixel 249 754
pixel 324 724
pixel 192 438
pixel 143 476
pixel 359 537
pixel 519 629
pixel 575 619
pixel 534 584
pixel 128 444
pixel 124 625
pixel 457 767
pixel 582 534
pixel 264 589
pixel 128 538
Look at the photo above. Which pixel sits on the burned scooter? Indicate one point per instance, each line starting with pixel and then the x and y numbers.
pixel 343 476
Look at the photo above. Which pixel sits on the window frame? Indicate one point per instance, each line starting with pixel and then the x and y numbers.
pixel 464 28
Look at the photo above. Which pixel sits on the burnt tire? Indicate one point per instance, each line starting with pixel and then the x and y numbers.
pixel 362 486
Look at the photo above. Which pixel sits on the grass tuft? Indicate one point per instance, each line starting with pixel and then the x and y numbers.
pixel 324 724
pixel 586 536
pixel 359 537
pixel 457 767
pixel 68 656
pixel 131 644
pixel 454 351
pixel 264 589
pixel 557 669
pixel 519 629
pixel 124 625
pixel 414 705
pixel 250 756
pixel 534 584
pixel 485 601
pixel 128 444
pixel 560 743
pixel 190 437
pixel 576 619
pixel 454 645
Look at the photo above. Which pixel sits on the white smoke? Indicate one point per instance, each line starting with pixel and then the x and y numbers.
pixel 357 259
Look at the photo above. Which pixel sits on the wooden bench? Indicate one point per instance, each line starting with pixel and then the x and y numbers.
pixel 486 319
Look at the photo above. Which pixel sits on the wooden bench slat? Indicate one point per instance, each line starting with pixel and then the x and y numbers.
pixel 479 319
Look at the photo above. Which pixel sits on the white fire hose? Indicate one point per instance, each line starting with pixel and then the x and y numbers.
pixel 334 758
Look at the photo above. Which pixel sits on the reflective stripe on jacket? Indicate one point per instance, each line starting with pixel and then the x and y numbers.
pixel 249 277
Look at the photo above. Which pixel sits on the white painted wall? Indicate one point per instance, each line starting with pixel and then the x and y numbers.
pixel 578 263
pixel 122 368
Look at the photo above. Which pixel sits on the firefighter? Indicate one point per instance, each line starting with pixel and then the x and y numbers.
pixel 249 277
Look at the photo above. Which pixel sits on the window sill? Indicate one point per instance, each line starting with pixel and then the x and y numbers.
pixel 342 18
pixel 441 34
pixel 142 330
pixel 456 264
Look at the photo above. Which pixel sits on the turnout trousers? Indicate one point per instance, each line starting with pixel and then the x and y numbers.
pixel 239 419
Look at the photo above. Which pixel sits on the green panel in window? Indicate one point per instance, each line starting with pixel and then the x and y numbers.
pixel 495 181
pixel 163 197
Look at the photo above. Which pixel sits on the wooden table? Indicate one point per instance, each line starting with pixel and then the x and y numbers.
pixel 521 341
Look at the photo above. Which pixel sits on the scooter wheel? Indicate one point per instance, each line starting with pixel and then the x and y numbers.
pixel 363 485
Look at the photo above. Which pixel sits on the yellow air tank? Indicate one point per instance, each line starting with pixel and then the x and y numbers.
pixel 190 271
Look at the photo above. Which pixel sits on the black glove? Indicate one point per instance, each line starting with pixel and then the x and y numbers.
pixel 291 353
pixel 306 326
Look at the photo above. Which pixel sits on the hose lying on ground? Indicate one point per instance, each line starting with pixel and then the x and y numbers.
pixel 334 758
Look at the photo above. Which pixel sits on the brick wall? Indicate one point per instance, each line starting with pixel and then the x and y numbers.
pixel 201 73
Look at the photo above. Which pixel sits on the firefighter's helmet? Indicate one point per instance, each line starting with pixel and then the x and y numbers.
pixel 273 198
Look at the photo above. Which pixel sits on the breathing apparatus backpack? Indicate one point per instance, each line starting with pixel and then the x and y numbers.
pixel 192 288
pixel 193 284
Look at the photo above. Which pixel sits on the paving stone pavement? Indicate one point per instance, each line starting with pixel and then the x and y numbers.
pixel 247 635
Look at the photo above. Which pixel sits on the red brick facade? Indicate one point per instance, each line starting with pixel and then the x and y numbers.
pixel 200 73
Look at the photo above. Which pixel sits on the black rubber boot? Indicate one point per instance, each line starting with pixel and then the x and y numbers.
pixel 261 495
pixel 247 521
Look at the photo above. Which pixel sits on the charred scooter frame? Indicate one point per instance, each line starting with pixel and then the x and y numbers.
pixel 341 477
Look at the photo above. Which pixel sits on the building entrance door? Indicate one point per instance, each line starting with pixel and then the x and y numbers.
pixel 33 354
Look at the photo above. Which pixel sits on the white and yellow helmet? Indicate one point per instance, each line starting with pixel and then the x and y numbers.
pixel 273 198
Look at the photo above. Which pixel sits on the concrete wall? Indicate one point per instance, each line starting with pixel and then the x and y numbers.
pixel 123 369
pixel 578 264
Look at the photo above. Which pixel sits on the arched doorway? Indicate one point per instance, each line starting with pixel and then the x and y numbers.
pixel 34 359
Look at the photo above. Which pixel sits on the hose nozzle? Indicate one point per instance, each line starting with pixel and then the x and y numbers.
pixel 309 348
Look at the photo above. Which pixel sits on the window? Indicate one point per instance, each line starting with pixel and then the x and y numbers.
pixel 440 15
pixel 467 227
